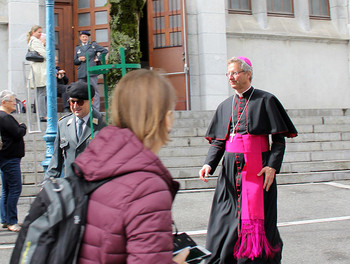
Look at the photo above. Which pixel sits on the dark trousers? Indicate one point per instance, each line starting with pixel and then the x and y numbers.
pixel 11 189
pixel 94 84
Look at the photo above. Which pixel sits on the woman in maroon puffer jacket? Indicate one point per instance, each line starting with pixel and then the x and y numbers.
pixel 129 218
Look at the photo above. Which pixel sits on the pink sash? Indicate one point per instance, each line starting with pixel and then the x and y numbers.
pixel 252 241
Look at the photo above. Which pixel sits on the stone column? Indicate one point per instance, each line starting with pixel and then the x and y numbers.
pixel 212 54
pixel 302 14
pixel 20 21
pixel 259 10
pixel 339 14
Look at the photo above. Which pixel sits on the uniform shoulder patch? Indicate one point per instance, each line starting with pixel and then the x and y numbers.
pixel 65 116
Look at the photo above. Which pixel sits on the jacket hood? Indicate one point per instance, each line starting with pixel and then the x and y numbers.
pixel 116 152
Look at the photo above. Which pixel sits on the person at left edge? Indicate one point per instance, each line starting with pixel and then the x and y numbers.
pixel 11 153
pixel 95 51
pixel 67 144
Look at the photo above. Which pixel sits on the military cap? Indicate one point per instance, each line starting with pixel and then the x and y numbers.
pixel 84 32
pixel 79 90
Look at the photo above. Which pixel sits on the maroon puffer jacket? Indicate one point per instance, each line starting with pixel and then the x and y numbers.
pixel 129 217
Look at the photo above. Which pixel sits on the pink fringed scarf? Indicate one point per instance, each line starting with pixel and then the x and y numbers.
pixel 252 242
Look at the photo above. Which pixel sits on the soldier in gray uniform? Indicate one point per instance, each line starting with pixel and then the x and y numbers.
pixel 95 51
pixel 74 130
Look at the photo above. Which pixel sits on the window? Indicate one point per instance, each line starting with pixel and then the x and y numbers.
pixel 280 7
pixel 319 9
pixel 240 6
pixel 167 23
pixel 92 16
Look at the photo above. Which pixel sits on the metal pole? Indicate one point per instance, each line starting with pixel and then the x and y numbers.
pixel 185 48
pixel 51 89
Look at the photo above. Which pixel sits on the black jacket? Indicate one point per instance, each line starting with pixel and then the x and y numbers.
pixel 12 134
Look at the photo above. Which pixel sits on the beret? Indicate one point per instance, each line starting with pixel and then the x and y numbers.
pixel 84 32
pixel 79 90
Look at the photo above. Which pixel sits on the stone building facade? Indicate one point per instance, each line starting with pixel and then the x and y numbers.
pixel 301 58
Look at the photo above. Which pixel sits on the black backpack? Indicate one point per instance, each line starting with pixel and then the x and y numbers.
pixel 54 227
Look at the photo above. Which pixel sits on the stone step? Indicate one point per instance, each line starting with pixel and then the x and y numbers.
pixel 183 146
pixel 317 112
pixel 319 176
pixel 293 160
pixel 306 152
pixel 317 146
pixel 306 133
pixel 321 151
pixel 196 183
pixel 305 156
pixel 208 114
pixel 30 190
pixel 33 178
pixel 29 166
pixel 7 237
pixel 317 130
pixel 179 172
pixel 315 166
pixel 195 156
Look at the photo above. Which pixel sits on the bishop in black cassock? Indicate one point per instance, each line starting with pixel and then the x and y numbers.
pixel 250 112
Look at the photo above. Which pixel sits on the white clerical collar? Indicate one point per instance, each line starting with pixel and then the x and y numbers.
pixel 241 94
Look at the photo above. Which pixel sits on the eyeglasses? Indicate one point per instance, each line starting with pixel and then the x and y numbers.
pixel 79 102
pixel 234 73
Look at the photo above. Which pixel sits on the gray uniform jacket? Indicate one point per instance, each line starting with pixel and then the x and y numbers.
pixel 67 147
pixel 93 49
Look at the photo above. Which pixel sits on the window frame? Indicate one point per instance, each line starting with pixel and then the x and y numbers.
pixel 92 27
pixel 238 11
pixel 165 31
pixel 281 13
pixel 319 17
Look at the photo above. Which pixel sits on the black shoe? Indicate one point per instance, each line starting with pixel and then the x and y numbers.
pixel 43 119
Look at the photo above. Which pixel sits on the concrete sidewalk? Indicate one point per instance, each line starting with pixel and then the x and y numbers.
pixel 314 221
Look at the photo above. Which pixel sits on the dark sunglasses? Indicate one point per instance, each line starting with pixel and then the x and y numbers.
pixel 79 102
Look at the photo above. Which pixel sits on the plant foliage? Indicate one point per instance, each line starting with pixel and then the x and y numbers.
pixel 124 24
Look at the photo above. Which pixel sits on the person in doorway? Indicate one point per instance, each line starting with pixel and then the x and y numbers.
pixel 245 197
pixel 38 70
pixel 11 153
pixel 132 212
pixel 74 130
pixel 94 51
pixel 62 81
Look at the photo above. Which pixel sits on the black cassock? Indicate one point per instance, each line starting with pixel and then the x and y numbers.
pixel 258 113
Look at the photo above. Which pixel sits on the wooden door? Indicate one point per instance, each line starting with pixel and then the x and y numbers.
pixel 64 38
pixel 167 44
pixel 93 16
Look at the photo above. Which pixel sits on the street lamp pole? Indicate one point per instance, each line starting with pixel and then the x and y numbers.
pixel 51 84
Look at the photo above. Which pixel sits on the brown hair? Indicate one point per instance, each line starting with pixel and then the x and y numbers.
pixel 140 102
pixel 32 30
